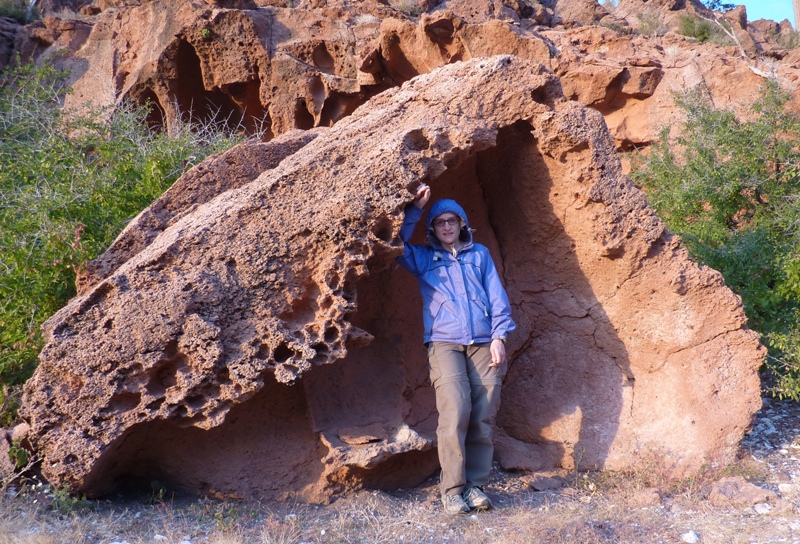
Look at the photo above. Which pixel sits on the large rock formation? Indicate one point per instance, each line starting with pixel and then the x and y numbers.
pixel 272 68
pixel 223 172
pixel 263 343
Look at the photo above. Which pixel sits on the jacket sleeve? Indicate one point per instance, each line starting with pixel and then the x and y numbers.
pixel 413 258
pixel 500 308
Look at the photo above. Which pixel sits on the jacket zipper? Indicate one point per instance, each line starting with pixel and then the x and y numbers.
pixel 469 306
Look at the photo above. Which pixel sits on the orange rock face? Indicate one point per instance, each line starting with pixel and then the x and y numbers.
pixel 262 342
pixel 269 68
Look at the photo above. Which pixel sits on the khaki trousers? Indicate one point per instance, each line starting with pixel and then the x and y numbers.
pixel 467 398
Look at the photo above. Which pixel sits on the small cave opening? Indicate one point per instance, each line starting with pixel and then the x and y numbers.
pixel 156 116
pixel 303 119
pixel 338 106
pixel 195 103
pixel 511 196
pixel 255 118
pixel 323 60
pixel 265 448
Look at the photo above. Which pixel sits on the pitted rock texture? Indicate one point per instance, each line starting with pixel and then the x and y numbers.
pixel 178 366
pixel 216 175
pixel 269 68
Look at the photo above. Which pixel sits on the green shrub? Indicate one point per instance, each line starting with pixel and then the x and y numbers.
pixel 17 10
pixel 703 30
pixel 730 189
pixel 68 185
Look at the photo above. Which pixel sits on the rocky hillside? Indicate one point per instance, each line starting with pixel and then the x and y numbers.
pixel 277 65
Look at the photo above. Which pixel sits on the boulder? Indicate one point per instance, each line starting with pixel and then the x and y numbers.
pixel 738 492
pixel 263 342
pixel 230 170
pixel 51 34
pixel 579 11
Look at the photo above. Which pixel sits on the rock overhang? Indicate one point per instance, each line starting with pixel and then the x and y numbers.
pixel 194 334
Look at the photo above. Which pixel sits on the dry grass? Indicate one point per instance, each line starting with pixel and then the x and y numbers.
pixel 593 508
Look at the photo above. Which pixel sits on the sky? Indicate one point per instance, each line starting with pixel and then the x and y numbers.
pixel 777 10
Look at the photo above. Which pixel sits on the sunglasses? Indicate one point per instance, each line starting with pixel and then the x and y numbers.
pixel 453 221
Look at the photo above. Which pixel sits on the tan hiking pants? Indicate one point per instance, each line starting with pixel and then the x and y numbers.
pixel 467 398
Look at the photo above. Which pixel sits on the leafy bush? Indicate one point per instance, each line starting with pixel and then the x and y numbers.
pixel 704 30
pixel 17 10
pixel 68 185
pixel 730 188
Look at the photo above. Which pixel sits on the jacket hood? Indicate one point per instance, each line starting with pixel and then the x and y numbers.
pixel 447 205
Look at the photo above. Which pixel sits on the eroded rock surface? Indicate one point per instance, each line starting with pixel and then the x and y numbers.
pixel 263 343
pixel 270 68
pixel 223 172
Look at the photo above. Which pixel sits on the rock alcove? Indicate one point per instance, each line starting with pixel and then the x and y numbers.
pixel 174 363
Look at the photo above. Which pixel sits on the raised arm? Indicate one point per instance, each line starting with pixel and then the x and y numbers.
pixel 413 214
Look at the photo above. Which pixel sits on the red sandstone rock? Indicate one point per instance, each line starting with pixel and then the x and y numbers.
pixel 644 498
pixel 579 11
pixel 736 491
pixel 263 64
pixel 231 170
pixel 177 366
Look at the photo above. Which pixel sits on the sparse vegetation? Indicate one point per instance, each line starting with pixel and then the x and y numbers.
pixel 594 509
pixel 68 185
pixel 789 40
pixel 18 455
pixel 409 7
pixel 616 27
pixel 65 502
pixel 650 24
pixel 730 188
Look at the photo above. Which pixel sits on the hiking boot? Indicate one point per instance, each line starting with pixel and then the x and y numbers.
pixel 454 505
pixel 477 499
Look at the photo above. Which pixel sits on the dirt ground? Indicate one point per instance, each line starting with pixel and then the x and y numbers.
pixel 637 507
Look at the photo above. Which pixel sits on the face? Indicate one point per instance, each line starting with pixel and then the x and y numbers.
pixel 447 227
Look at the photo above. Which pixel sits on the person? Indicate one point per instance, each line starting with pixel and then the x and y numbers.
pixel 466 319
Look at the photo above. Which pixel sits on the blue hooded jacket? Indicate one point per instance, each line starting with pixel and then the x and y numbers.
pixel 463 300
